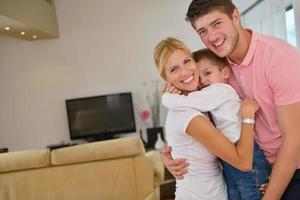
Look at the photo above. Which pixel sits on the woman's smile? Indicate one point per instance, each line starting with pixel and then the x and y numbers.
pixel 188 80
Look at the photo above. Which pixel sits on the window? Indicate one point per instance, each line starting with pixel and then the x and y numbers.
pixel 290 25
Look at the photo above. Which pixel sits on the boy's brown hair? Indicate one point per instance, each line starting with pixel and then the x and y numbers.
pixel 208 54
pixel 199 8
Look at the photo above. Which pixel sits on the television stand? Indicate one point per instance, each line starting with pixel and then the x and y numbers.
pixel 61 145
pixel 102 137
pixel 4 150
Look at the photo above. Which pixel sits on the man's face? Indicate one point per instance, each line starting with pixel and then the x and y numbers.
pixel 219 32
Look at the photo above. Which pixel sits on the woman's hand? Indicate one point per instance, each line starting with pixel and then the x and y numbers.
pixel 177 167
pixel 248 108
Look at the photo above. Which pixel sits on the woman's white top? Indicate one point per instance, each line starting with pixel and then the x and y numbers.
pixel 204 180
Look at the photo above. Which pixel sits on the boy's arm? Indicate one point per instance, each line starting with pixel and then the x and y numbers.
pixel 204 100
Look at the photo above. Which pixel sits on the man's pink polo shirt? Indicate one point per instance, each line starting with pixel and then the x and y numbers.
pixel 270 74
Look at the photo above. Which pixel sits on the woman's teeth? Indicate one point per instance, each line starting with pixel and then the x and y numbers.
pixel 188 80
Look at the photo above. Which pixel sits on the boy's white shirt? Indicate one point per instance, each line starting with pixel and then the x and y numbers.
pixel 220 99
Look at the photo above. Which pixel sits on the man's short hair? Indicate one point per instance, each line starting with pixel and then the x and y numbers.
pixel 199 8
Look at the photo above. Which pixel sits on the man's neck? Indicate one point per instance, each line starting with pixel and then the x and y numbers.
pixel 242 46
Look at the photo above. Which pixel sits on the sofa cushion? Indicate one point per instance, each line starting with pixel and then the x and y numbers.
pixel 110 149
pixel 21 160
pixel 159 169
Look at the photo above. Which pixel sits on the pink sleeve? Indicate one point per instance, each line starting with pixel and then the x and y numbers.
pixel 284 78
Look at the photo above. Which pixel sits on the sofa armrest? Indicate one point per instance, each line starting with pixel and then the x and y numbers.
pixel 159 170
pixel 20 160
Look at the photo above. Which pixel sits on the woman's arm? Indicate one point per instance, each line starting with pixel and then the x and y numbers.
pixel 240 155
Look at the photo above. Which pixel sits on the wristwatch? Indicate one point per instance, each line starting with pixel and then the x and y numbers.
pixel 248 121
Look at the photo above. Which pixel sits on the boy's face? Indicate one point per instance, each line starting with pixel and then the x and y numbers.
pixel 219 32
pixel 210 72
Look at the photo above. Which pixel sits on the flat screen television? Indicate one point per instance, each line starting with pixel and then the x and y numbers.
pixel 100 117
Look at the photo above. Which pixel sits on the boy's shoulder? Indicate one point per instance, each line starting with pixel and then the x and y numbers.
pixel 218 86
pixel 222 88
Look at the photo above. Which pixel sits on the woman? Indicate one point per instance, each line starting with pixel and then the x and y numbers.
pixel 192 136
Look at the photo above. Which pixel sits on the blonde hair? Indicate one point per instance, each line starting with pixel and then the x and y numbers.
pixel 163 51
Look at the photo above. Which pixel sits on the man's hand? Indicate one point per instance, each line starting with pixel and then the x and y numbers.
pixel 177 167
pixel 263 188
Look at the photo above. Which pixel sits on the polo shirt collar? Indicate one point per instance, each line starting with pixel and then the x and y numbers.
pixel 250 53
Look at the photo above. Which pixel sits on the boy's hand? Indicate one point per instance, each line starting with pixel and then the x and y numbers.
pixel 171 89
pixel 177 167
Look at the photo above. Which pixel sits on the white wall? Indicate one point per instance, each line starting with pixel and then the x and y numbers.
pixel 104 47
pixel 267 17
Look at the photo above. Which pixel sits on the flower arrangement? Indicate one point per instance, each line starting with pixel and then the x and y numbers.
pixel 152 95
pixel 145 115
pixel 150 114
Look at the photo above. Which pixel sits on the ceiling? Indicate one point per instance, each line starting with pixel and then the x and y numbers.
pixel 28 19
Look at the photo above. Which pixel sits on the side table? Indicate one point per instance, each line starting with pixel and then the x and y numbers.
pixel 3 150
pixel 167 188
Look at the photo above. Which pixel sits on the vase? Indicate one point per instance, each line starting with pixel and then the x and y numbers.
pixel 152 135
pixel 159 144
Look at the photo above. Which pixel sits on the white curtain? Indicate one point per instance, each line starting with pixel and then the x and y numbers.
pixel 296 5
pixel 267 17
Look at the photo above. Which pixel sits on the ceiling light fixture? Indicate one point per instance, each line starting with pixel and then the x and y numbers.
pixel 34 36
pixel 7 28
pixel 22 33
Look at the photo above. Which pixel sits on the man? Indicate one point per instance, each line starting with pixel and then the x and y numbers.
pixel 265 69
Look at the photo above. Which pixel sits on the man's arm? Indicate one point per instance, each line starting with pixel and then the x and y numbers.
pixel 289 154
pixel 177 167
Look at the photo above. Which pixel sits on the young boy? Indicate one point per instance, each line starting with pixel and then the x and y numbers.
pixel 222 101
